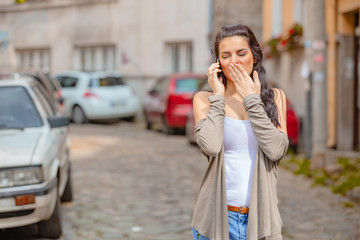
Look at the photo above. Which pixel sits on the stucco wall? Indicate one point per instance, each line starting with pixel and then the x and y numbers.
pixel 284 72
pixel 345 91
pixel 227 12
pixel 138 29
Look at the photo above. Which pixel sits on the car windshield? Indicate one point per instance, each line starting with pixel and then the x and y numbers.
pixel 17 109
pixel 110 81
pixel 189 85
pixel 67 82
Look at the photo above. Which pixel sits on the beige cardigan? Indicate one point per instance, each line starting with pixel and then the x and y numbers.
pixel 210 215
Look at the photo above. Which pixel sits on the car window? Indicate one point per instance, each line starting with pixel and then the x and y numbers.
pixel 48 95
pixel 41 80
pixel 68 82
pixel 51 82
pixel 17 109
pixel 109 81
pixel 39 92
pixel 161 85
pixel 189 85
pixel 92 82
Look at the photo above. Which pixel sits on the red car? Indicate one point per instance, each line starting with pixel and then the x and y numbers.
pixel 292 125
pixel 168 103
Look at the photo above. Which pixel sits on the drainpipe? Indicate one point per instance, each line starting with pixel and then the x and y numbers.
pixel 315 36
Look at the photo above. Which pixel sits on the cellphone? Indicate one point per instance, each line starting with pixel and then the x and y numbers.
pixel 219 74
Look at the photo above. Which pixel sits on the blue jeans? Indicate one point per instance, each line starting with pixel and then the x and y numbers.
pixel 237 227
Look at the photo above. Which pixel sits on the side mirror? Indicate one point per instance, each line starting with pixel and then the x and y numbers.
pixel 60 121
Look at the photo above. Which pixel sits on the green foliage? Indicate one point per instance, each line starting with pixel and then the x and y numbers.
pixel 347 166
pixel 348 204
pixel 287 41
pixel 340 182
pixel 304 168
pixel 321 179
pixel 349 183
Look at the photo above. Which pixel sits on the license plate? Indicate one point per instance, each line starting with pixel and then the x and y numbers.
pixel 117 104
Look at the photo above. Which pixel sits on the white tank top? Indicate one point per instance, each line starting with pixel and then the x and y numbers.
pixel 240 152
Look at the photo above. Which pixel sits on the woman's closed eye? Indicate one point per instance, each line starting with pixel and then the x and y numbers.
pixel 239 54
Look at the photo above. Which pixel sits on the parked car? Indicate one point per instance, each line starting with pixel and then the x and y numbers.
pixel 97 96
pixel 35 167
pixel 50 84
pixel 292 124
pixel 190 121
pixel 293 127
pixel 168 102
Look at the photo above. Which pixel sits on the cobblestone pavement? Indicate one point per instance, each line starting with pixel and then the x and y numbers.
pixel 315 212
pixel 130 183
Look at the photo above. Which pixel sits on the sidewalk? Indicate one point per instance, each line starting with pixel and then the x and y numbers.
pixel 314 213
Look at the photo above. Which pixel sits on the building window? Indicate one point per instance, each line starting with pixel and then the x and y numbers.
pixel 33 58
pixel 178 57
pixel 94 58
pixel 277 18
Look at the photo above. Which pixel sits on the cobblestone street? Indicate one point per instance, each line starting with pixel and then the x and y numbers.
pixel 130 183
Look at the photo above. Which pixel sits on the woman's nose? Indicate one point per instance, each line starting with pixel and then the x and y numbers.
pixel 234 59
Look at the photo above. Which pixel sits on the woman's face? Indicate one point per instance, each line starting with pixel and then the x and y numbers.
pixel 235 50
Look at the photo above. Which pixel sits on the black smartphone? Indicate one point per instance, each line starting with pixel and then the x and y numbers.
pixel 219 74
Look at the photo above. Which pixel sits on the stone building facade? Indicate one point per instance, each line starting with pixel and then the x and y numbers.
pixel 293 70
pixel 228 12
pixel 142 39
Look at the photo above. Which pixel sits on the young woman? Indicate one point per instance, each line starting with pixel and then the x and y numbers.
pixel 241 129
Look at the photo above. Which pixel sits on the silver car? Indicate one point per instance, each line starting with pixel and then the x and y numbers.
pixel 97 96
pixel 34 158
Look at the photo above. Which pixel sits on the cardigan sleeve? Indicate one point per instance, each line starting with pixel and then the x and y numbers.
pixel 209 132
pixel 272 141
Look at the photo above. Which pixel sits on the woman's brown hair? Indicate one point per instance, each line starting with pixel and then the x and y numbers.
pixel 266 94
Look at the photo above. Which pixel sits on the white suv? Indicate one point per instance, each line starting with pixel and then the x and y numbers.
pixel 34 158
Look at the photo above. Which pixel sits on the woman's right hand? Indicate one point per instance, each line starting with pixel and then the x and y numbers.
pixel 215 83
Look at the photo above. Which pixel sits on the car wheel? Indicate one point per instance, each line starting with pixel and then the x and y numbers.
pixel 68 195
pixel 166 128
pixel 188 132
pixel 52 228
pixel 293 148
pixel 148 123
pixel 78 115
pixel 130 119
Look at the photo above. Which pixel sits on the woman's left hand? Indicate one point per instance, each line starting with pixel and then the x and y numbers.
pixel 243 82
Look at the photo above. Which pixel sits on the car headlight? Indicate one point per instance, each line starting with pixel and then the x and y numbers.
pixel 20 176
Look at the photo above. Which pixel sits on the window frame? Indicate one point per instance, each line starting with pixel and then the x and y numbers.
pixel 94 57
pixel 40 94
pixel 179 56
